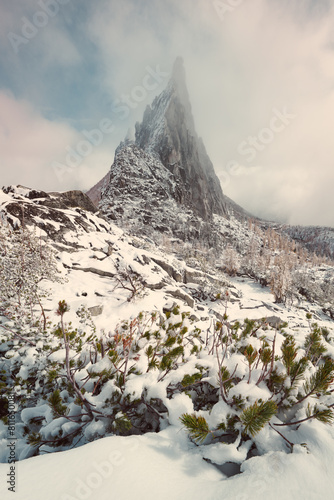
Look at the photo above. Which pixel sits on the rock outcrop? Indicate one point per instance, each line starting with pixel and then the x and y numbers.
pixel 55 214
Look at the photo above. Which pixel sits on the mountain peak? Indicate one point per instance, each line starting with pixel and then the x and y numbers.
pixel 178 67
pixel 168 132
pixel 165 176
pixel 179 73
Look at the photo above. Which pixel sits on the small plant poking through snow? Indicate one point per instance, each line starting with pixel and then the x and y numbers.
pixel 130 281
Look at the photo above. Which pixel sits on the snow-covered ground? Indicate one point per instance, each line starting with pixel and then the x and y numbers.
pixel 167 464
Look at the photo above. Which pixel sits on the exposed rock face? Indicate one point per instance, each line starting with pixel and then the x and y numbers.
pixel 164 180
pixel 72 199
pixel 94 193
pixel 68 199
pixel 168 132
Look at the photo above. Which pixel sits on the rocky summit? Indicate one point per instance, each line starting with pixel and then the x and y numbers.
pixel 168 132
pixel 164 178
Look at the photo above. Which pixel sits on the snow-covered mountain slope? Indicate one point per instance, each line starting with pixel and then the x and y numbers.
pixel 121 278
pixel 315 238
pixel 147 198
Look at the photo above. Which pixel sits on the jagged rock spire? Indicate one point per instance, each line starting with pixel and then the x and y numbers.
pixel 168 131
pixel 178 86
pixel 164 180
pixel 178 73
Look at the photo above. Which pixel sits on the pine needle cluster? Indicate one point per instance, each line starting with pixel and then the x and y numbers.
pixel 256 416
pixel 197 426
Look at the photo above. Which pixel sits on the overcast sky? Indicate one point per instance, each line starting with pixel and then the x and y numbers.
pixel 260 75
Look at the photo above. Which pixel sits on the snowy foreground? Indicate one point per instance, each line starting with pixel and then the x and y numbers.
pixel 166 466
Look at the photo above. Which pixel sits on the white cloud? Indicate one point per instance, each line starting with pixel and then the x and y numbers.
pixel 37 29
pixel 265 60
pixel 58 48
pixel 29 144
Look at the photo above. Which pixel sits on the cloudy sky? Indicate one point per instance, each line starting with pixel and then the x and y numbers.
pixel 76 74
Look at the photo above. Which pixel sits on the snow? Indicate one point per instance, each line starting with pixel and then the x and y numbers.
pixel 166 464
pixel 179 404
pixel 30 413
pixel 4 198
pixel 221 453
pixel 94 429
pixel 250 391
